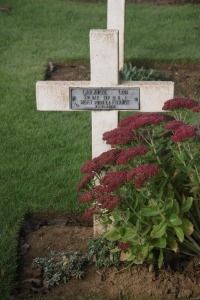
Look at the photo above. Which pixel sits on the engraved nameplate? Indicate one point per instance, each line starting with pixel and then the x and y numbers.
pixel 104 98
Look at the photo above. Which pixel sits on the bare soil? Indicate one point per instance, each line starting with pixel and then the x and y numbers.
pixel 43 233
pixel 185 76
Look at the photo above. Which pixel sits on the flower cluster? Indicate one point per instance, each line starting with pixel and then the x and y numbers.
pixel 183 133
pixel 109 201
pixel 123 246
pixel 138 120
pixel 114 179
pixel 95 164
pixel 146 119
pixel 90 166
pixel 93 194
pixel 142 173
pixel 130 153
pixel 196 108
pixel 101 198
pixel 128 120
pixel 179 103
pixel 90 212
pixel 118 136
pixel 83 183
pixel 126 130
pixel 173 125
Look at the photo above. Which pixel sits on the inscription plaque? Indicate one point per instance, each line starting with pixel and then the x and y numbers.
pixel 104 98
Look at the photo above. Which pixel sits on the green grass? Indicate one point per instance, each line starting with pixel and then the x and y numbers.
pixel 163 33
pixel 40 152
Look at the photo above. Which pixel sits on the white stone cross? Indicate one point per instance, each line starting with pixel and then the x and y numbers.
pixel 104 45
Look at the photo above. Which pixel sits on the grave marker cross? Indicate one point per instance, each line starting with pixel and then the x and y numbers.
pixel 104 45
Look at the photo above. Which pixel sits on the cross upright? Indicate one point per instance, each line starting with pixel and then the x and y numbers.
pixel 116 20
pixel 104 96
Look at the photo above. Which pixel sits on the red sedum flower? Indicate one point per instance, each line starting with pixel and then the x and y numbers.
pixel 183 133
pixel 87 197
pixel 146 119
pixel 124 246
pixel 114 179
pixel 196 109
pixel 89 213
pixel 84 181
pixel 173 125
pixel 126 121
pixel 142 173
pixel 108 157
pixel 130 153
pixel 179 103
pixel 95 164
pixel 120 136
pixel 90 166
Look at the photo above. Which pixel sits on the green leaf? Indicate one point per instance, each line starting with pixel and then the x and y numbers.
pixel 128 235
pixel 179 233
pixel 145 251
pixel 175 220
pixel 176 207
pixel 127 215
pixel 159 230
pixel 149 211
pixel 115 250
pixel 128 256
pixel 115 216
pixel 169 203
pixel 185 207
pixel 112 235
pixel 187 227
pixel 145 230
pixel 172 243
pixel 159 243
pixel 160 259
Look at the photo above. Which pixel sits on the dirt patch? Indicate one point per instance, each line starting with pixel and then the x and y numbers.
pixel 43 233
pixel 185 76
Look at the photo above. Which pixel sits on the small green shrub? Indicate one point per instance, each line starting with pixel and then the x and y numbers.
pixel 61 267
pixel 101 252
pixel 129 72
pixel 147 187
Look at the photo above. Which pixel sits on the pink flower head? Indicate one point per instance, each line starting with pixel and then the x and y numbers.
pixel 146 119
pixel 90 166
pixel 95 164
pixel 179 103
pixel 109 202
pixel 89 213
pixel 142 173
pixel 196 108
pixel 173 125
pixel 130 153
pixel 114 179
pixel 124 246
pixel 87 197
pixel 126 121
pixel 108 157
pixel 183 133
pixel 118 135
pixel 85 180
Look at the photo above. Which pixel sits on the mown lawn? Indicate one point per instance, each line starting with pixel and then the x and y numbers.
pixel 40 152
